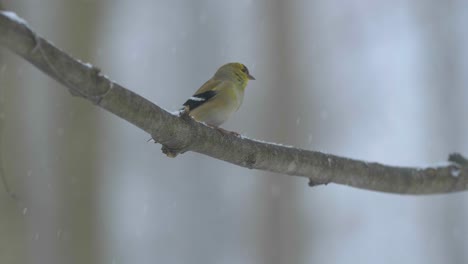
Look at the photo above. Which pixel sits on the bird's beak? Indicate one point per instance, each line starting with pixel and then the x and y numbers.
pixel 250 77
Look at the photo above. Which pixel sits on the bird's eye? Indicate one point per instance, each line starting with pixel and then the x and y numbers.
pixel 244 69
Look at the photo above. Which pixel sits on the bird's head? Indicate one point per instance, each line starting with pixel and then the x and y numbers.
pixel 234 71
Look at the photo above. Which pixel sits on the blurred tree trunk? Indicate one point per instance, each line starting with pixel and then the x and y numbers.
pixel 76 144
pixel 28 161
pixel 52 145
pixel 441 27
pixel 281 225
pixel 12 224
pixel 201 188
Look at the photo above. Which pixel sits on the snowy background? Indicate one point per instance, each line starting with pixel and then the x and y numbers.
pixel 382 81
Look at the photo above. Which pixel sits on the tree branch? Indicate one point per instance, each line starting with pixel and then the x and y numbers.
pixel 180 134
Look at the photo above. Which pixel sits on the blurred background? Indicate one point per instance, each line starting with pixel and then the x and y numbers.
pixel 383 81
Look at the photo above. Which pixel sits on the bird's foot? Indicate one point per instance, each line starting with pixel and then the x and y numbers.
pixel 227 131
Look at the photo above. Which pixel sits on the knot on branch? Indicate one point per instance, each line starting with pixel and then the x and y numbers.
pixel 460 163
pixel 171 146
pixel 313 183
pixel 172 152
pixel 458 159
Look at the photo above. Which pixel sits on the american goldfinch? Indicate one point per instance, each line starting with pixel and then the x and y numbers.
pixel 215 101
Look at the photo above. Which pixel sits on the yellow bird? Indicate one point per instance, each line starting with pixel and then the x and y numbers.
pixel 215 101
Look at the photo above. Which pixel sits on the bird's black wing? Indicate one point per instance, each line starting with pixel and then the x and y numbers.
pixel 199 99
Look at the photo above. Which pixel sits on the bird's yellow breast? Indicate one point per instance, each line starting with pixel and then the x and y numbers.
pixel 218 109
